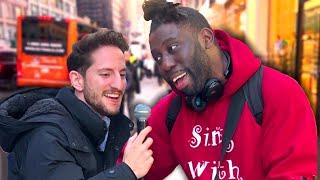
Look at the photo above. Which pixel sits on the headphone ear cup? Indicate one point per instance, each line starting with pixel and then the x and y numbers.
pixel 212 90
pixel 196 103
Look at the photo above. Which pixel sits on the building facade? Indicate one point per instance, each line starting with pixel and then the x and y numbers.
pixel 55 8
pixel 99 11
pixel 9 11
pixel 128 19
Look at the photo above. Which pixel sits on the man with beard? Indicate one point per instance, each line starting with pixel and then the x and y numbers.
pixel 208 69
pixel 79 133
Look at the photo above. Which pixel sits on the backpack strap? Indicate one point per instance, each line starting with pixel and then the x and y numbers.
pixel 253 94
pixel 233 116
pixel 174 109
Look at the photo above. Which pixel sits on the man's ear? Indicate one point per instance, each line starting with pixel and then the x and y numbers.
pixel 207 37
pixel 77 80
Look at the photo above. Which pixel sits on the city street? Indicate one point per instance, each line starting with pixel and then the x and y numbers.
pixel 150 91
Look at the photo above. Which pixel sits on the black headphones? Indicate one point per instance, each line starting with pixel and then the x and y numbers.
pixel 212 90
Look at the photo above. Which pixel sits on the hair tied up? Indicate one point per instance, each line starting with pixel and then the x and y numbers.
pixel 159 8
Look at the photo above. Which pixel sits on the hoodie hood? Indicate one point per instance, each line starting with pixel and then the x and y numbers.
pixel 243 62
pixel 12 111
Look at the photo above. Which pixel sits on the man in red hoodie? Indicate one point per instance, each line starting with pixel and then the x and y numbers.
pixel 192 58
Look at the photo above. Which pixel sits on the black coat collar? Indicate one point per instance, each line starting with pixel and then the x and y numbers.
pixel 90 122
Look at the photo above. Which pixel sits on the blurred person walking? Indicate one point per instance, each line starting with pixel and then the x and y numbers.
pixel 133 86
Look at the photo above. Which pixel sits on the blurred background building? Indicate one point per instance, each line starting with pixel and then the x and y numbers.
pixel 128 19
pixel 55 8
pixel 99 11
pixel 9 11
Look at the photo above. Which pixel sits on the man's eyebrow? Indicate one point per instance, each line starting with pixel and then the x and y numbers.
pixel 165 42
pixel 105 69
pixel 168 40
pixel 109 69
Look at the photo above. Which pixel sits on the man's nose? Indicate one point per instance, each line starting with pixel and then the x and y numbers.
pixel 168 62
pixel 118 82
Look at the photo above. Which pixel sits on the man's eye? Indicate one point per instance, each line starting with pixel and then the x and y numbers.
pixel 171 48
pixel 157 58
pixel 105 74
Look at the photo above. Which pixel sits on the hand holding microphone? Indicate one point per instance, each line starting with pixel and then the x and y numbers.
pixel 137 154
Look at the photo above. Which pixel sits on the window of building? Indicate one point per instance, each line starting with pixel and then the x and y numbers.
pixel 56 15
pixel 45 1
pixel 11 11
pixel 44 12
pixel 1 32
pixel 67 7
pixel 12 32
pixel 0 9
pixel 34 10
pixel 18 11
pixel 59 4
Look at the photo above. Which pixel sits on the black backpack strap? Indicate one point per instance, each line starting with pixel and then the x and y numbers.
pixel 233 116
pixel 253 94
pixel 173 112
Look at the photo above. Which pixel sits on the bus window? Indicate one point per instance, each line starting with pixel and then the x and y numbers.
pixel 44 37
pixel 43 45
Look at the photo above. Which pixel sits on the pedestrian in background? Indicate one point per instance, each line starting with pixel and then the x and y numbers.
pixel 133 86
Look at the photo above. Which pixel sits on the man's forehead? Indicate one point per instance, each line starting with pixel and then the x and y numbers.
pixel 163 33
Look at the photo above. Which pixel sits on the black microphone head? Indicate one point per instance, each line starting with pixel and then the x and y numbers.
pixel 141 112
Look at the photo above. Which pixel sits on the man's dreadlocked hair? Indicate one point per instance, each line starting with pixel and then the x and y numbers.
pixel 163 12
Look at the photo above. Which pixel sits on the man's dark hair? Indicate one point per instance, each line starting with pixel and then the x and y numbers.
pixel 79 59
pixel 163 12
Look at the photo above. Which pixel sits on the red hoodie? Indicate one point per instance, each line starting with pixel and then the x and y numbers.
pixel 284 147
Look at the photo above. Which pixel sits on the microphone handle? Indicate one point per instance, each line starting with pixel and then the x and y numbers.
pixel 141 124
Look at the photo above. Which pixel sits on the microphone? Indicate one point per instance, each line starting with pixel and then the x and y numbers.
pixel 141 112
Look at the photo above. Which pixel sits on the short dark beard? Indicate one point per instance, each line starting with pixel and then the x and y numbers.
pixel 200 71
pixel 91 98
pixel 93 104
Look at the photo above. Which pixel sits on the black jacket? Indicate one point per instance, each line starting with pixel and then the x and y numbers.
pixel 57 138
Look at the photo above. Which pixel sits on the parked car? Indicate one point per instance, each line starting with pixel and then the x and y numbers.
pixel 8 68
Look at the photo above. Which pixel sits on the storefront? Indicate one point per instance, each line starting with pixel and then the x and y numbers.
pixel 281 35
pixel 310 61
pixel 282 44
